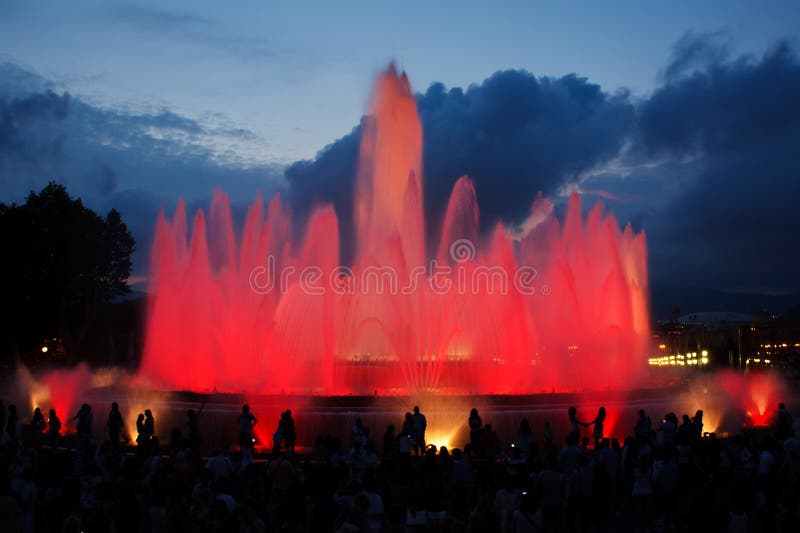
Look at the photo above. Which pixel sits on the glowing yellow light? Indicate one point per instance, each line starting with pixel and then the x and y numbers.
pixel 662 346
pixel 44 349
pixel 757 360
pixel 704 360
pixel 704 353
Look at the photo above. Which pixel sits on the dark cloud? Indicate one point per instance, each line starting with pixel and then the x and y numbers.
pixel 514 134
pixel 135 162
pixel 696 50
pixel 19 114
pixel 735 226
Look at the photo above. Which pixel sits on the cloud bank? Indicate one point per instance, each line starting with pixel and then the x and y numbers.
pixel 135 162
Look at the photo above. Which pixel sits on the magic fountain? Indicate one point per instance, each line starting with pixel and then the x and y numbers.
pixel 549 307
pixel 520 322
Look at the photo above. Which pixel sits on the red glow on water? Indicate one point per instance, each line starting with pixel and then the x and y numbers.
pixel 581 321
pixel 61 390
pixel 757 395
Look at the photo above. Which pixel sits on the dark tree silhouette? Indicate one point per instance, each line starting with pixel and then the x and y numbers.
pixel 62 263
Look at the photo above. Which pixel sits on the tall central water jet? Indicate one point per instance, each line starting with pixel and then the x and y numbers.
pixel 555 308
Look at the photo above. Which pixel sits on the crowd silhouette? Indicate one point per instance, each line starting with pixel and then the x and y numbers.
pixel 668 476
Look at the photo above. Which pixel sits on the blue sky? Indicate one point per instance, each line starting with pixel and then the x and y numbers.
pixel 683 116
pixel 298 74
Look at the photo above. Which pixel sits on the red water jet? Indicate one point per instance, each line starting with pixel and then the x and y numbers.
pixel 547 307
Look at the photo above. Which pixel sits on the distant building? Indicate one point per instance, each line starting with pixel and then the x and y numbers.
pixel 724 339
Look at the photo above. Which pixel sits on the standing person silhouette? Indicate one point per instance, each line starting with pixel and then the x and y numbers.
pixel 149 425
pixel 475 427
pixel 246 422
pixel 37 422
pixel 597 431
pixel 783 423
pixel 84 418
pixel 37 425
pixel 114 425
pixel 53 427
pixel 290 434
pixel 12 423
pixel 193 426
pixel 140 440
pixel 574 425
pixel 418 425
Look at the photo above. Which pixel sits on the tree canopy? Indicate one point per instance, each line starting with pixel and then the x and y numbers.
pixel 62 262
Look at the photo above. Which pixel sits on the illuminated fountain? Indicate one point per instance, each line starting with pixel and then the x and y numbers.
pixel 550 307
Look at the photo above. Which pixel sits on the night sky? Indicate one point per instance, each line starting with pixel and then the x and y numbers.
pixel 683 118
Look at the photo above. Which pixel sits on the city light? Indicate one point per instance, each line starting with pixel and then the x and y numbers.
pixel 688 359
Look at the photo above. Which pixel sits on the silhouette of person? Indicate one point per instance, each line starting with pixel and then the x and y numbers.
pixel 524 436
pixel 547 434
pixel 193 425
pixel 643 426
pixel 140 436
pixel 84 418
pixel 37 426
pixel 12 423
pixel 358 433
pixel 418 426
pixel 37 422
pixel 149 425
pixel 475 427
pixel 290 434
pixel 597 430
pixel 697 424
pixel 53 427
pixel 574 425
pixel 783 423
pixel 246 422
pixel 114 425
